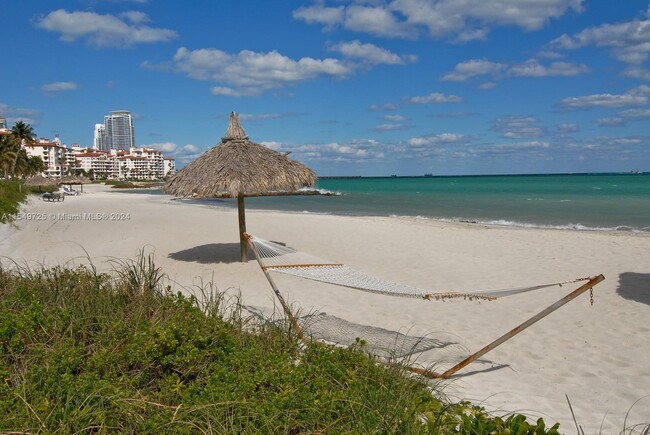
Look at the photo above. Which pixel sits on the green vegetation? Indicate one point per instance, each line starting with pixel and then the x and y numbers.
pixel 11 195
pixel 82 351
pixel 121 184
pixel 14 161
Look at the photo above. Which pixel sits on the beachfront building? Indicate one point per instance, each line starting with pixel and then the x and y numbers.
pixel 54 155
pixel 169 167
pixel 117 132
pixel 3 124
pixel 131 164
pixel 99 137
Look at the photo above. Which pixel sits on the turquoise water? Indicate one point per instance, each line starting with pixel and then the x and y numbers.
pixel 598 202
pixel 590 202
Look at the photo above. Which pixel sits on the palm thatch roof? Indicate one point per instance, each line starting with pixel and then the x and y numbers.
pixel 75 179
pixel 39 180
pixel 239 167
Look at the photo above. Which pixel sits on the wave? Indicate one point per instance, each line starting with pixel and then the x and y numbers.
pixel 569 226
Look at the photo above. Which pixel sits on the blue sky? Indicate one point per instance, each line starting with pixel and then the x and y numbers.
pixel 372 87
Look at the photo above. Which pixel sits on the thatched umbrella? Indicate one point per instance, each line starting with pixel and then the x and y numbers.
pixel 75 179
pixel 238 168
pixel 41 181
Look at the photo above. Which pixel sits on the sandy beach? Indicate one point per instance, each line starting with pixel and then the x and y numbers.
pixel 597 355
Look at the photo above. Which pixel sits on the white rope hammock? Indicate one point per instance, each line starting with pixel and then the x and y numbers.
pixel 278 258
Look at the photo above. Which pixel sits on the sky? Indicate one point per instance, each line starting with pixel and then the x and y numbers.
pixel 350 87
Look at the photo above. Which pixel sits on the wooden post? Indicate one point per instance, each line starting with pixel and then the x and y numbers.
pixel 545 312
pixel 285 307
pixel 242 228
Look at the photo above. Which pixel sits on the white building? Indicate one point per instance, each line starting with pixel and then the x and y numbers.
pixel 118 132
pixel 169 167
pixel 54 155
pixel 99 137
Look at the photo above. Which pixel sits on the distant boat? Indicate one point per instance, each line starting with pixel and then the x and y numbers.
pixel 428 175
pixel 393 176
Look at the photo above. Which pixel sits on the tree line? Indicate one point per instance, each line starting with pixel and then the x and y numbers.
pixel 14 161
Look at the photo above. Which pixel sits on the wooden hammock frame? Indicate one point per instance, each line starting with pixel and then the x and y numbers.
pixel 471 358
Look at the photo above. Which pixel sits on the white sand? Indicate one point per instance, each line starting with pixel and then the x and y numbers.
pixel 599 356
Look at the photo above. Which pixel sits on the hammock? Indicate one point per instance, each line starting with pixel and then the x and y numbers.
pixel 278 258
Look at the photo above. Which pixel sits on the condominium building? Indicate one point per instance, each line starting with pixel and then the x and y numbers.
pixel 99 137
pixel 55 156
pixel 117 132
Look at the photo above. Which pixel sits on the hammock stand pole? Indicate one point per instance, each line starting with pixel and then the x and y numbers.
pixel 285 307
pixel 545 312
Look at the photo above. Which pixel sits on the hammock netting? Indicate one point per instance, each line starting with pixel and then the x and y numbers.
pixel 279 258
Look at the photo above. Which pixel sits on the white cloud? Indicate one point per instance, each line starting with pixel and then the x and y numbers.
pixel 103 30
pixel 435 98
pixel 461 20
pixel 517 127
pixel 472 68
pixel 183 154
pixel 250 73
pixel 391 127
pixel 350 152
pixel 628 41
pixel 59 86
pixel 393 118
pixel 532 68
pixel 387 106
pixel 624 117
pixel 14 114
pixel 376 21
pixel 371 54
pixel 437 139
pixel 638 73
pixel 135 17
pixel 568 128
pixel 319 14
pixel 634 97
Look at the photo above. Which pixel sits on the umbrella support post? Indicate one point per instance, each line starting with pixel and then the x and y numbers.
pixel 285 307
pixel 242 228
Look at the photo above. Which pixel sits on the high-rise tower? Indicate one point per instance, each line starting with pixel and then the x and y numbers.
pixel 118 130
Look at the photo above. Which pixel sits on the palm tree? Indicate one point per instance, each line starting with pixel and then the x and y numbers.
pixel 35 165
pixel 9 151
pixel 23 131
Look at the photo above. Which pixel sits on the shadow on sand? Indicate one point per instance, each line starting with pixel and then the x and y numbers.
pixel 634 286
pixel 211 253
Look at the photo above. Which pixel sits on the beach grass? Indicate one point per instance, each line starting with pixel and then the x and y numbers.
pixel 82 351
pixel 11 196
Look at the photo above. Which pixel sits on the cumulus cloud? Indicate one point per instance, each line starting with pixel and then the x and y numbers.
pixel 393 118
pixel 530 68
pixel 435 98
pixel 472 68
pixel 634 97
pixel 391 127
pixel 533 68
pixel 567 128
pixel 104 30
pixel 251 73
pixel 183 154
pixel 349 152
pixel 624 117
pixel 461 21
pixel 320 14
pixel 387 106
pixel 627 41
pixel 638 73
pixel 437 139
pixel 517 127
pixel 371 54
pixel 14 114
pixel 59 86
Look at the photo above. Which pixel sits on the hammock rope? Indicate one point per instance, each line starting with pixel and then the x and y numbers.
pixel 282 259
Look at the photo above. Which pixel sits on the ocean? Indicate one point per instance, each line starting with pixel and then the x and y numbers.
pixel 605 202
